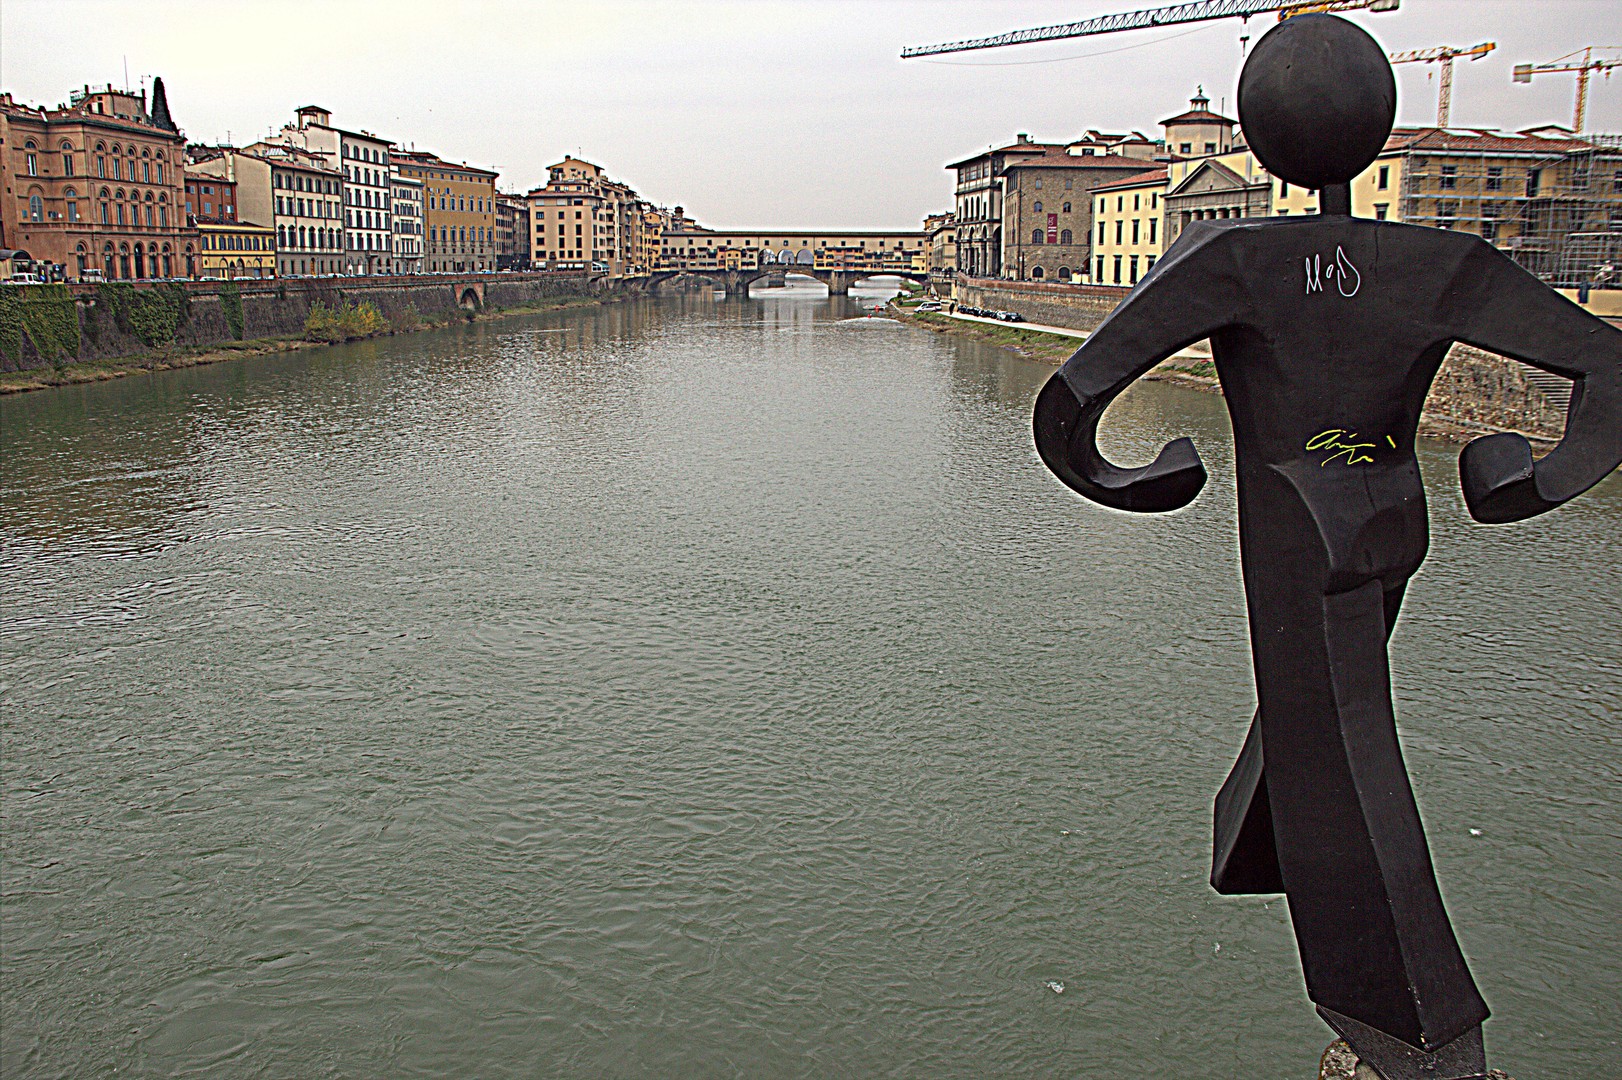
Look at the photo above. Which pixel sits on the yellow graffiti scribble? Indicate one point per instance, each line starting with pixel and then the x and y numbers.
pixel 1337 442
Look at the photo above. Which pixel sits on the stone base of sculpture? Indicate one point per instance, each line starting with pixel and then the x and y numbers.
pixel 1340 1062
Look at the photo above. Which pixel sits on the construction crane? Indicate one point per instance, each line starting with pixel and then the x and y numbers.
pixel 1569 62
pixel 1444 55
pixel 1161 16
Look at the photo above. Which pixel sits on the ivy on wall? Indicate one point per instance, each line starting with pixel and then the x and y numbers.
pixel 231 305
pixel 46 314
pixel 155 316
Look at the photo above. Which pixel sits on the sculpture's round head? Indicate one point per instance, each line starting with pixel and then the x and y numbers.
pixel 1316 100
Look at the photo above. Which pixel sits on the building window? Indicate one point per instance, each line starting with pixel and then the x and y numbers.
pixel 1036 236
pixel 36 208
pixel 1283 189
pixel 1134 269
pixel 1037 273
pixel 1450 177
pixel 1210 148
pixel 1120 227
pixel 73 207
pixel 1135 229
pixel 1152 223
pixel 67 159
pixel 1182 148
pixel 1495 178
pixel 1067 208
pixel 1067 188
pixel 1101 232
pixel 1117 269
pixel 1100 274
pixel 1064 236
pixel 1037 206
pixel 1379 210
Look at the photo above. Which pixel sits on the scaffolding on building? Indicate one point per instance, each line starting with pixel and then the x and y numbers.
pixel 1559 215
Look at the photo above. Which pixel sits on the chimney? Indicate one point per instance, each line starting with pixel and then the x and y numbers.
pixel 1023 138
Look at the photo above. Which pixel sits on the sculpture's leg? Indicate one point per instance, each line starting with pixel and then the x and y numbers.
pixel 1374 938
pixel 1244 859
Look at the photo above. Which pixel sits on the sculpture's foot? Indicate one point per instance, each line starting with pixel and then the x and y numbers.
pixel 1378 1056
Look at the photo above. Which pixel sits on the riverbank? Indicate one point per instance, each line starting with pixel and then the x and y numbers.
pixel 101 369
pixel 1453 412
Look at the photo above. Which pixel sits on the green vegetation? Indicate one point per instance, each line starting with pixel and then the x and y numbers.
pixel 231 305
pixel 155 316
pixel 46 315
pixel 343 322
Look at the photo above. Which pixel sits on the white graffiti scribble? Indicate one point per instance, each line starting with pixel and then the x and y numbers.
pixel 1347 277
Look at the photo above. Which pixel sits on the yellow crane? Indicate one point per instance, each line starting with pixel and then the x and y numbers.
pixel 1583 68
pixel 1444 55
pixel 1151 17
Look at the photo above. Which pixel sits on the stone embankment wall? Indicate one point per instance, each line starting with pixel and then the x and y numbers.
pixel 1474 391
pixel 117 320
pixel 1075 307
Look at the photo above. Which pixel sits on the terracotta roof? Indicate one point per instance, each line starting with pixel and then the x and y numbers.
pixel 1059 157
pixel 1480 140
pixel 1011 148
pixel 1151 177
pixel 1198 116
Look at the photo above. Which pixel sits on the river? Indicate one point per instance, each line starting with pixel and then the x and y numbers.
pixel 700 687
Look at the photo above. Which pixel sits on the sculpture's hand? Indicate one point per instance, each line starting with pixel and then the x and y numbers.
pixel 1500 479
pixel 1066 431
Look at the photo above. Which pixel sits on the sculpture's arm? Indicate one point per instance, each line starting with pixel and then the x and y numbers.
pixel 1188 295
pixel 1512 313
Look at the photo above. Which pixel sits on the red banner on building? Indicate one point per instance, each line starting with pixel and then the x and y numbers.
pixel 1053 228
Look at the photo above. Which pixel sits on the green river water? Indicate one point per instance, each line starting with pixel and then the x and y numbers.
pixel 711 688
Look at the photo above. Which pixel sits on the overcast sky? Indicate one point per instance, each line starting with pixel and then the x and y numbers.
pixel 768 113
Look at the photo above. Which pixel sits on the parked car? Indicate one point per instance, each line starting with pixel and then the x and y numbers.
pixel 930 305
pixel 1008 316
pixel 25 279
pixel 90 275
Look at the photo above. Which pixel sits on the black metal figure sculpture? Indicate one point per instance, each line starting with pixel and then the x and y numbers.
pixel 1326 332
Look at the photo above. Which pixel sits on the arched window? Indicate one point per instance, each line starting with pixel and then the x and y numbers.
pixel 1036 274
pixel 67 158
pixel 1037 206
pixel 281 236
pixel 1067 208
pixel 83 257
pixel 36 208
pixel 32 166
pixel 1064 273
pixel 107 258
pixel 1064 236
pixel 72 198
pixel 1036 236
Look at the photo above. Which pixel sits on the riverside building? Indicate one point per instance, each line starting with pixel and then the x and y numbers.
pixel 409 245
pixel 96 185
pixel 289 190
pixel 459 212
pixel 363 161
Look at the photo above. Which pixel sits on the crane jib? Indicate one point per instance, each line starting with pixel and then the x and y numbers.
pixel 1149 17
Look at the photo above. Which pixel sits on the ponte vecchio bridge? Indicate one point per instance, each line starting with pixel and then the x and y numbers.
pixel 737 259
